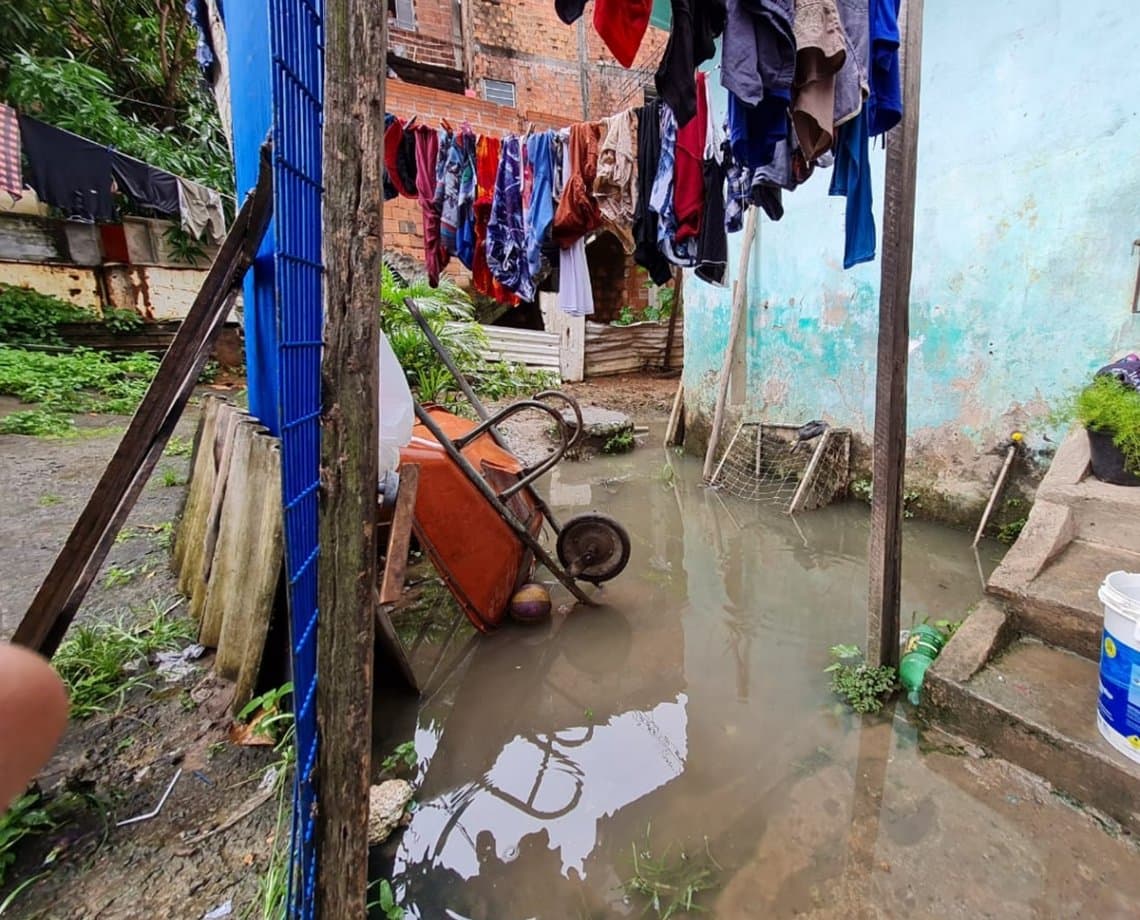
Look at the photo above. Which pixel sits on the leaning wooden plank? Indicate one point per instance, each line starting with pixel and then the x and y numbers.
pixel 675 417
pixel 188 538
pixel 226 587
pixel 806 487
pixel 52 609
pixel 400 535
pixel 245 622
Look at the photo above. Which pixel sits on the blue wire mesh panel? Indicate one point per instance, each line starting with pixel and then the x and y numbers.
pixel 296 45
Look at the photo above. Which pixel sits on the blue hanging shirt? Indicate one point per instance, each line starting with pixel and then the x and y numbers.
pixel 884 105
pixel 851 179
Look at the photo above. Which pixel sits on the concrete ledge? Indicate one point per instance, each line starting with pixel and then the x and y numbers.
pixel 986 631
pixel 1046 534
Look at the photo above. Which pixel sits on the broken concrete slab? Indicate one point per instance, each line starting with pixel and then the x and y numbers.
pixel 985 632
pixel 600 428
pixel 1045 535
pixel 1036 706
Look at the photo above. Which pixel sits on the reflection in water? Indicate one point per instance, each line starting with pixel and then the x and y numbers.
pixel 692 703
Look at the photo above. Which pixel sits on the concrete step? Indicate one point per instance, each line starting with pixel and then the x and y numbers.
pixel 1059 604
pixel 1035 705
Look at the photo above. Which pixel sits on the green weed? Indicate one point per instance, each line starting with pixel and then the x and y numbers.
pixel 100 662
pixel 117 576
pixel 171 478
pixel 403 757
pixel 861 489
pixel 26 817
pixel 48 499
pixel 122 322
pixel 179 446
pixel 273 719
pixel 1009 532
pixel 864 688
pixel 385 900
pixel 670 885
pixel 621 443
pixel 39 423
pixel 28 317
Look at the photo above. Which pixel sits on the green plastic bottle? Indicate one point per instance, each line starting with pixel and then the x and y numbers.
pixel 922 647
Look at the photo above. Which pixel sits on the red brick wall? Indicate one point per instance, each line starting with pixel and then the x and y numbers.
pixel 436 38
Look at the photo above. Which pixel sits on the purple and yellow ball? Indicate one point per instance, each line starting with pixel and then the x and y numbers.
pixel 530 604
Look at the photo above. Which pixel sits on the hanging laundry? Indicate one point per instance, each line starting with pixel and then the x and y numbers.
pixel 738 191
pixel 575 293
pixel 683 253
pixel 487 154
pixel 820 53
pixel 758 68
pixel 201 210
pixel 688 170
pixel 621 24
pixel 615 186
pixel 393 128
pixel 884 104
pixel 405 166
pixel 852 82
pixel 852 178
pixel 646 253
pixel 152 188
pixel 712 246
pixel 577 212
pixel 448 193
pixel 540 207
pixel 506 235
pixel 67 171
pixel 427 160
pixel 770 181
pixel 696 26
pixel 465 229
pixel 11 177
pixel 570 11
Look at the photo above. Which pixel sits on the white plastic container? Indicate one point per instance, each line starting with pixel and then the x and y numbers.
pixel 396 412
pixel 1118 712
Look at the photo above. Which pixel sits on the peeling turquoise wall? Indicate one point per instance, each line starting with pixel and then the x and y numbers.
pixel 1028 202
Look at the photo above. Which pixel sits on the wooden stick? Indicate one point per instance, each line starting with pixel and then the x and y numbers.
pixel 739 299
pixel 801 495
pixel 885 552
pixel 675 416
pixel 1009 455
pixel 678 299
pixel 355 36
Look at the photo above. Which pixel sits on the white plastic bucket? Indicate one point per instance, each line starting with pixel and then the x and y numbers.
pixel 1118 711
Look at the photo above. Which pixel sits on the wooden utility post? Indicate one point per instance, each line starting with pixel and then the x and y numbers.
pixel 356 41
pixel 885 553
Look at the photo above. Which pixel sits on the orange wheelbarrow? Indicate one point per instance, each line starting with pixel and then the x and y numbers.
pixel 477 514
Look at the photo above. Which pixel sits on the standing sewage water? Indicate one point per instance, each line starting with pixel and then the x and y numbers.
pixel 680 745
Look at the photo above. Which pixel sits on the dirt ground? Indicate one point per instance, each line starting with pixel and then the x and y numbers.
pixel 117 765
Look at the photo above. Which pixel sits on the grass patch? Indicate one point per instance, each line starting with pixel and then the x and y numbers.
pixel 48 499
pixel 670 884
pixel 863 688
pixel 26 817
pixel 81 381
pixel 171 478
pixel 1111 407
pixel 179 446
pixel 100 662
pixel 117 576
pixel 620 443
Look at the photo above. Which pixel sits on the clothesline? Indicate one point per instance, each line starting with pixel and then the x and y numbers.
pixel 79 176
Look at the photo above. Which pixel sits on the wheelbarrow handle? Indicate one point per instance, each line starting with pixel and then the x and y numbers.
pixel 534 472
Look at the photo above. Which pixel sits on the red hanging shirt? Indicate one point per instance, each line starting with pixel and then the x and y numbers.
pixel 621 24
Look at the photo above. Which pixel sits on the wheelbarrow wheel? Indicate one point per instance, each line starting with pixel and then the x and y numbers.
pixel 593 547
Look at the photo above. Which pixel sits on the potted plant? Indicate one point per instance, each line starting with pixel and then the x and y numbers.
pixel 1110 411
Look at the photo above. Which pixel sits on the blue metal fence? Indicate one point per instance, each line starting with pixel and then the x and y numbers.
pixel 297 90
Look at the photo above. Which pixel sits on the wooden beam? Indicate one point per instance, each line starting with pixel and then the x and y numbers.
pixel 739 305
pixel 56 602
pixel 885 553
pixel 355 35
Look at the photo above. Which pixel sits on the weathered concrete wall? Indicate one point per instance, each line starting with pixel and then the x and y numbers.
pixel 1028 184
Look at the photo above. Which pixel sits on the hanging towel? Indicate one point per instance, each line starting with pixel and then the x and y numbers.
pixel 152 188
pixel 11 178
pixel 67 171
pixel 506 236
pixel 615 186
pixel 621 24
pixel 487 155
pixel 201 210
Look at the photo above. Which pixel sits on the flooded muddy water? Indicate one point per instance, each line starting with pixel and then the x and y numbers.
pixel 683 732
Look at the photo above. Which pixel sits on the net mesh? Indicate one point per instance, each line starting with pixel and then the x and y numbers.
pixel 770 464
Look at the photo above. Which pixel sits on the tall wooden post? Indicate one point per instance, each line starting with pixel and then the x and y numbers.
pixel 355 67
pixel 885 553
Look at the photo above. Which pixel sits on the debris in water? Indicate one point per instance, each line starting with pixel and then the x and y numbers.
pixel 386 805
